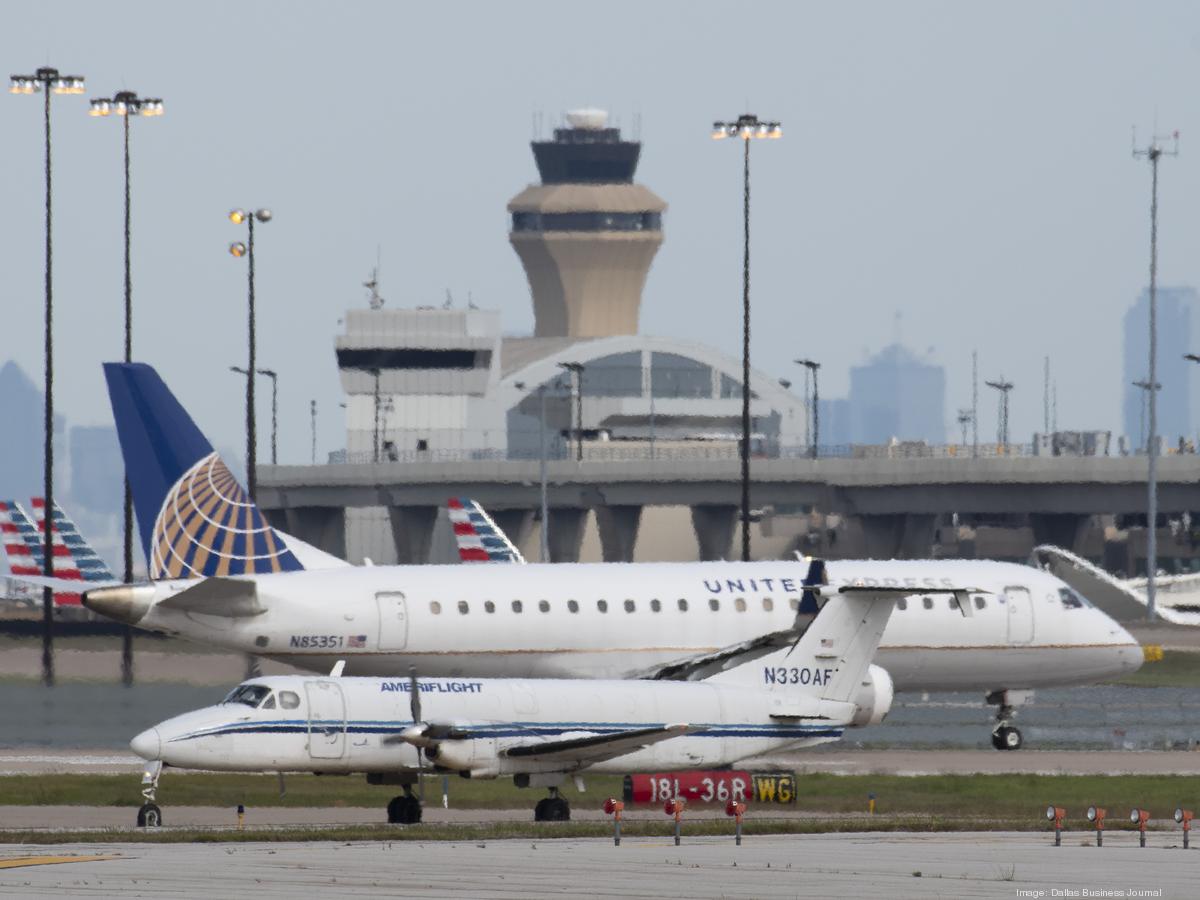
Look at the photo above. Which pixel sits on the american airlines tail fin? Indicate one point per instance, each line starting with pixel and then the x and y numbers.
pixel 476 536
pixel 195 519
pixel 74 558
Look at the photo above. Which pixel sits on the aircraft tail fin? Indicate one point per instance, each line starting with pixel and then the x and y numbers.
pixel 832 655
pixel 74 560
pixel 195 519
pixel 476 536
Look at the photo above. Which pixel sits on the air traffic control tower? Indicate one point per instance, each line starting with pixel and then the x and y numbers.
pixel 587 234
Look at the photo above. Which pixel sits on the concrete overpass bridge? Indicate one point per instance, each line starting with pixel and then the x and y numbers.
pixel 896 502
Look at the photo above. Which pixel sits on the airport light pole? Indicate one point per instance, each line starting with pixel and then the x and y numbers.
pixel 48 81
pixel 814 367
pixel 1153 153
pixel 274 376
pixel 127 104
pixel 964 419
pixel 1002 428
pixel 748 127
pixel 1144 385
pixel 312 412
pixel 544 531
pixel 576 370
pixel 238 249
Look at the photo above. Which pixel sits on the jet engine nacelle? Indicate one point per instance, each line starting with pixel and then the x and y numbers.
pixel 874 698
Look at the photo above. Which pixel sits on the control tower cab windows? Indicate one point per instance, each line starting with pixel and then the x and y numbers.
pixel 587 221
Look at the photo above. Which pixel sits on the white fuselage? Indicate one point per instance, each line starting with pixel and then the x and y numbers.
pixel 618 621
pixel 343 725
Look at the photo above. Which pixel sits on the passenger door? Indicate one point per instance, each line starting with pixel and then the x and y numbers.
pixel 393 620
pixel 1020 614
pixel 326 720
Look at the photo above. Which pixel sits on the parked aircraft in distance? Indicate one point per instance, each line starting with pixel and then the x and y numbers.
pixel 74 558
pixel 224 577
pixel 1177 597
pixel 541 732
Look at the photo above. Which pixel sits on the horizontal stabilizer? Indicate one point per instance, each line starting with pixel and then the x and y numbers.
pixel 592 748
pixel 73 585
pixel 704 665
pixel 233 598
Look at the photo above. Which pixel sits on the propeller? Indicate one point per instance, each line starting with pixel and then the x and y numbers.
pixel 414 694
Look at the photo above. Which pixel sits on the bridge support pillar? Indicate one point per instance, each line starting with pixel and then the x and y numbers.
pixel 1060 529
pixel 898 535
pixel 714 526
pixel 618 526
pixel 515 523
pixel 322 526
pixel 412 532
pixel 565 537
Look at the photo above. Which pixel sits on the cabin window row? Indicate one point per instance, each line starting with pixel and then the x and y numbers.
pixel 630 606
pixel 951 603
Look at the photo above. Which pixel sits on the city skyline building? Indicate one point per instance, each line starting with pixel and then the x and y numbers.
pixel 1175 374
pixel 895 394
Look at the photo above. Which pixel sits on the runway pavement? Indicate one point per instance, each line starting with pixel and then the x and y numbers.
pixel 974 865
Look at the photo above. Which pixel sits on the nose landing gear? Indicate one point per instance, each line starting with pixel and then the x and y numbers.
pixel 149 815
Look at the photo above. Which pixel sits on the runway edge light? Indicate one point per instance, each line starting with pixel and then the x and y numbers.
pixel 1184 817
pixel 613 807
pixel 1140 817
pixel 1056 814
pixel 1096 814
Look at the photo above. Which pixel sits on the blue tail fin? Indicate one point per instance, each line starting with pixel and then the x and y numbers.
pixel 195 519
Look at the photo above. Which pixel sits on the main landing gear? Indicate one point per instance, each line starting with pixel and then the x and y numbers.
pixel 1006 736
pixel 405 809
pixel 149 815
pixel 552 809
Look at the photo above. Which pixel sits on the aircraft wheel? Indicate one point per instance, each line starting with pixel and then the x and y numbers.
pixel 404 810
pixel 149 816
pixel 1012 738
pixel 560 810
pixel 997 741
pixel 539 810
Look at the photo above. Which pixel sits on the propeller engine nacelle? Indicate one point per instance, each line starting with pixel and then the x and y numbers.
pixel 874 698
pixel 474 758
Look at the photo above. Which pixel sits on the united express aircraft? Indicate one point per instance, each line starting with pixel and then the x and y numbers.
pixel 223 576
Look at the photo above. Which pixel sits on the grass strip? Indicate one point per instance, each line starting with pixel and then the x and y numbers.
pixel 1009 796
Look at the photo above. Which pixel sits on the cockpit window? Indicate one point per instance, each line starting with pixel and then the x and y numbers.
pixel 289 699
pixel 1072 599
pixel 269 703
pixel 249 694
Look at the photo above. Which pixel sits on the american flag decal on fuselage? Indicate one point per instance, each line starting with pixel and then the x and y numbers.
pixel 476 535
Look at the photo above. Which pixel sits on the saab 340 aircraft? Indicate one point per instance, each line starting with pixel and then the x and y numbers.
pixel 538 732
pixel 222 576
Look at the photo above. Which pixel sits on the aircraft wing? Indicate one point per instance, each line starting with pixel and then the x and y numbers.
pixel 593 748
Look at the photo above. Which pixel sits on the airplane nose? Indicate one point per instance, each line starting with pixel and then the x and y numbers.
pixel 147 745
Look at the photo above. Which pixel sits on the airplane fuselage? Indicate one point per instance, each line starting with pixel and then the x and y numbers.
pixel 618 621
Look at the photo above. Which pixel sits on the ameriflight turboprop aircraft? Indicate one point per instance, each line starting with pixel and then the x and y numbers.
pixel 541 732
pixel 224 577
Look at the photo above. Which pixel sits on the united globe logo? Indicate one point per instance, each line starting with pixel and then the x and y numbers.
pixel 208 526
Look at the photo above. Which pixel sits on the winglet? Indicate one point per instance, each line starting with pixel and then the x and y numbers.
pixel 338 668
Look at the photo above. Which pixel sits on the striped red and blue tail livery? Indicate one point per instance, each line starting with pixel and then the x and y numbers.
pixel 74 558
pixel 477 537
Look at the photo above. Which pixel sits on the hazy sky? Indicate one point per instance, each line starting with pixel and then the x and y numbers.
pixel 966 164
